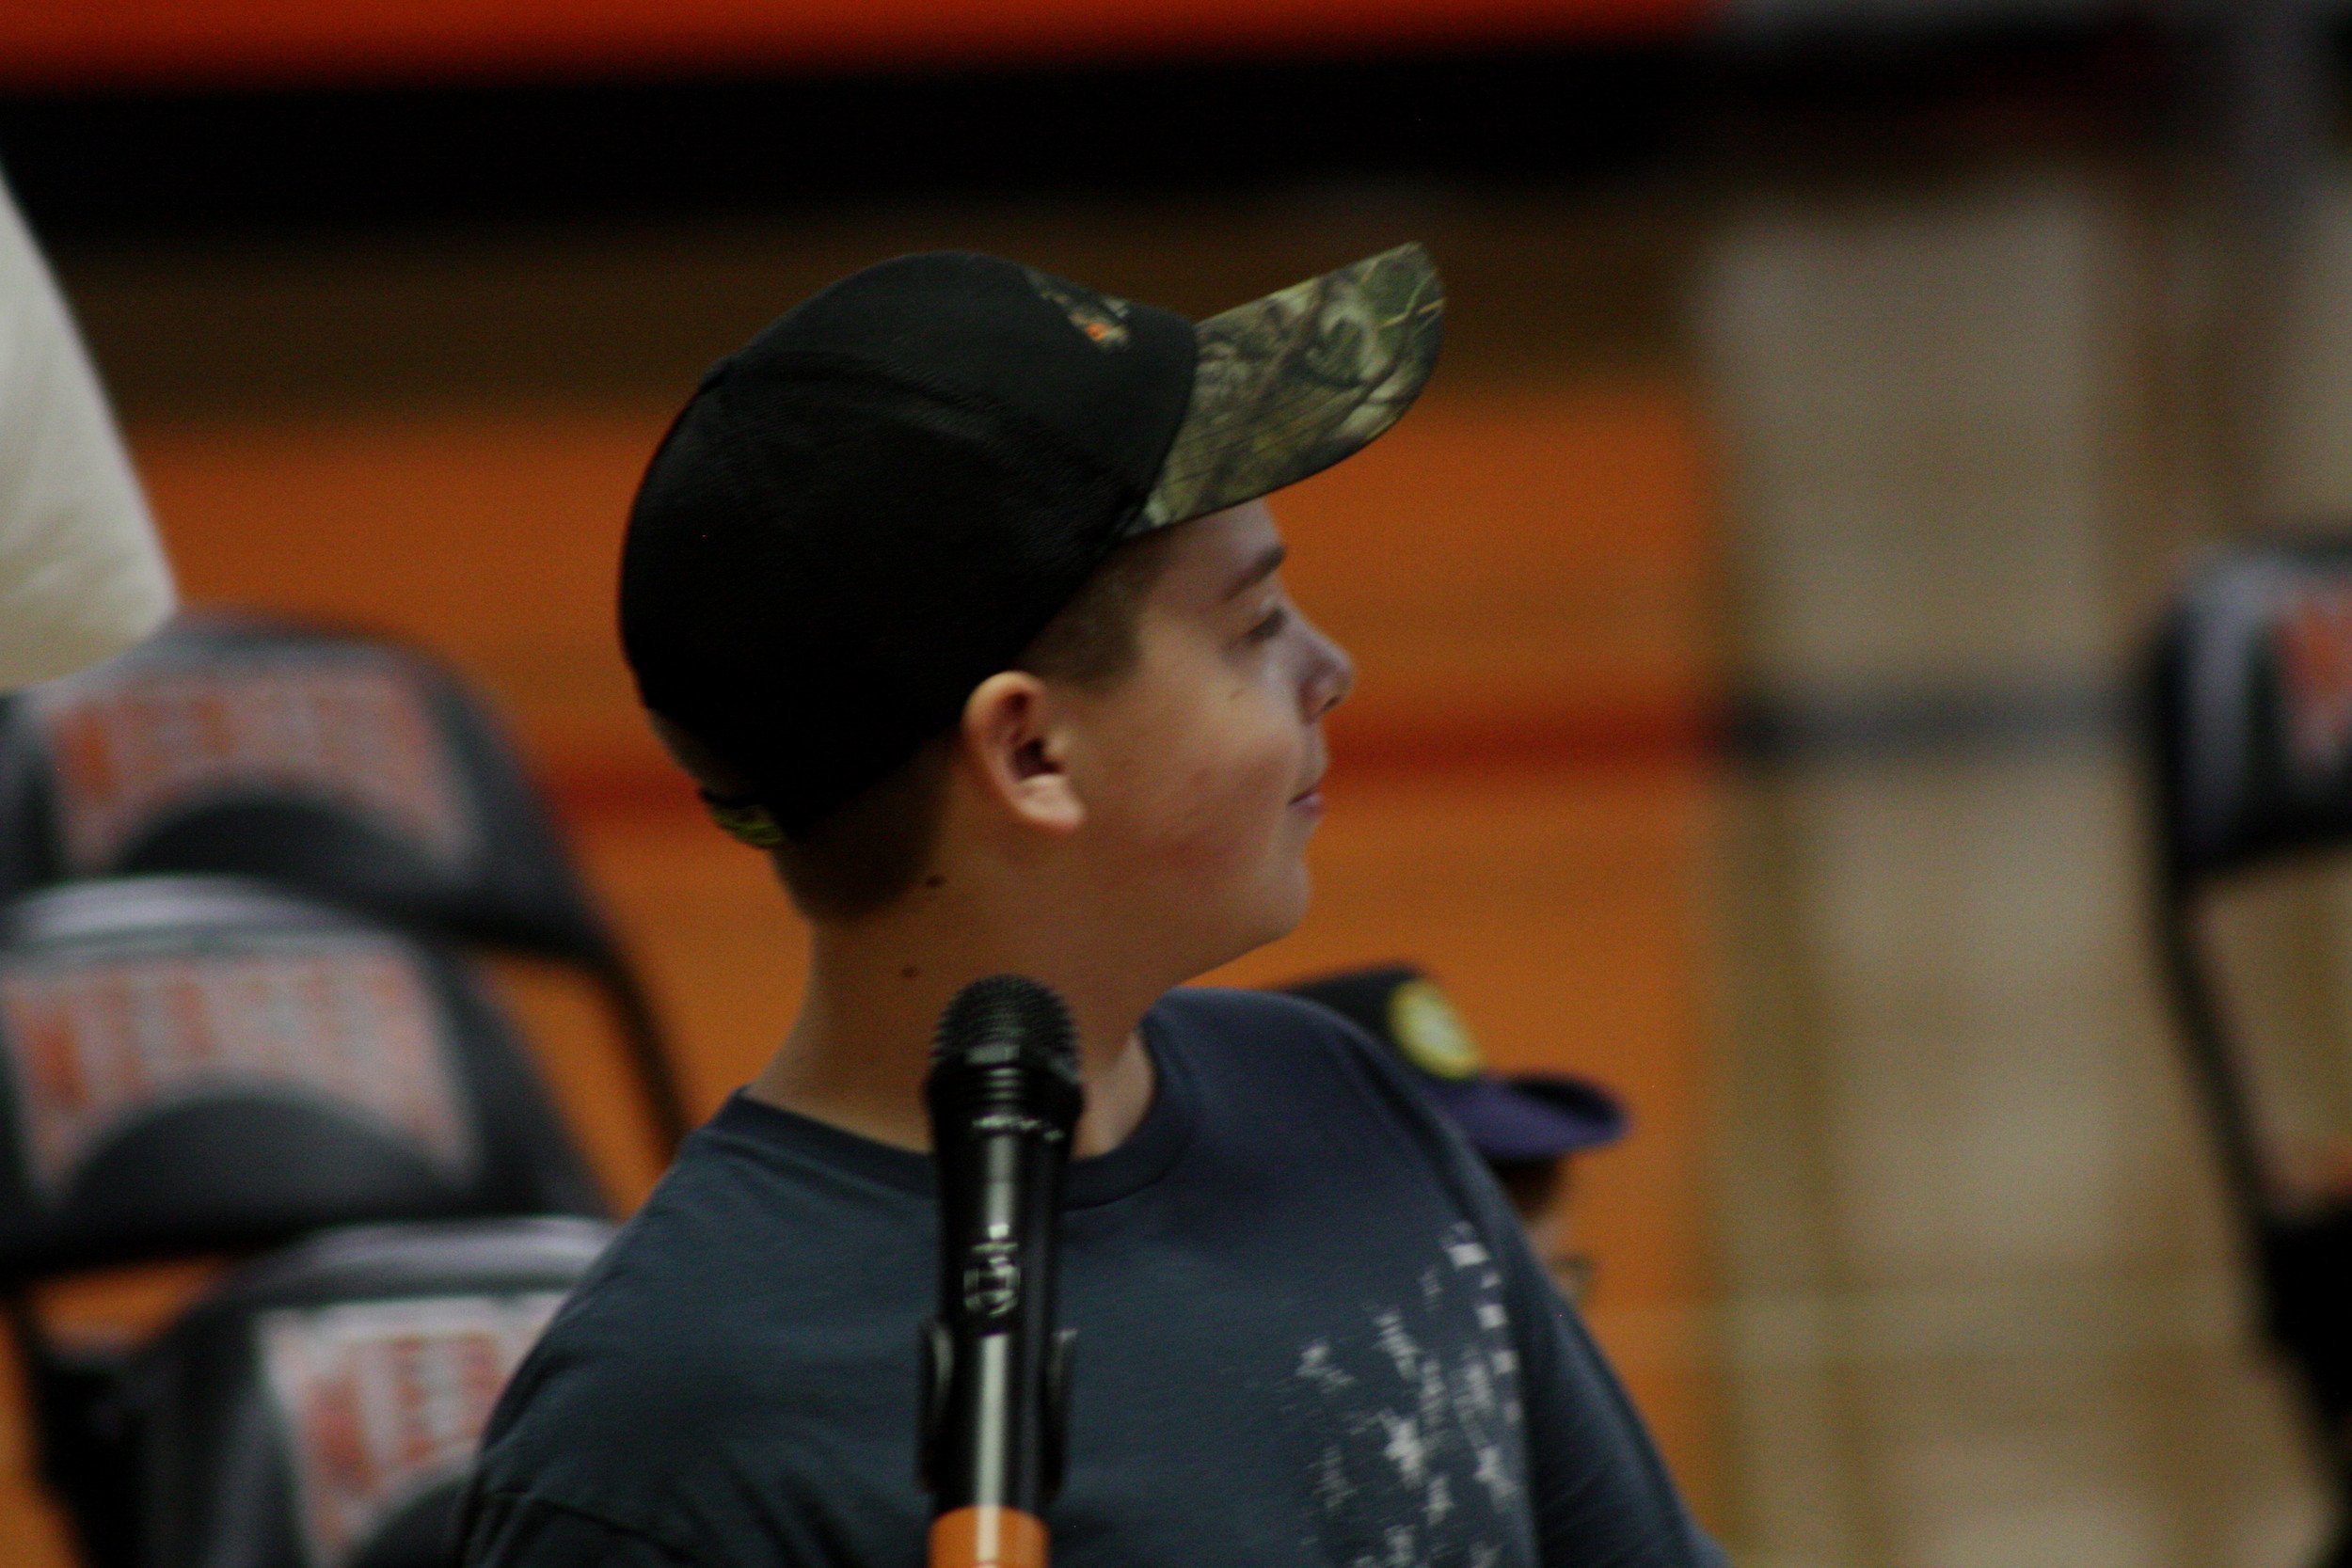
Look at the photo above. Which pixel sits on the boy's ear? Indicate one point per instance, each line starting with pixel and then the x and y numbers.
pixel 1018 753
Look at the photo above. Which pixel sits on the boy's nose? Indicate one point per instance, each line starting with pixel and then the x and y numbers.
pixel 1334 677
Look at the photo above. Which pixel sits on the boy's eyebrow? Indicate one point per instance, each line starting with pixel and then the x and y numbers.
pixel 1268 562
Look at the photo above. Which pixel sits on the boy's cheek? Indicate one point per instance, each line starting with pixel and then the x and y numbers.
pixel 1211 819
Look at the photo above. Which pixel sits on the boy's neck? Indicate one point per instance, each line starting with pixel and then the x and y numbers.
pixel 858 1052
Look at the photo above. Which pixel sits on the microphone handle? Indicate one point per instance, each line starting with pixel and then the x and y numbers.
pixel 996 1368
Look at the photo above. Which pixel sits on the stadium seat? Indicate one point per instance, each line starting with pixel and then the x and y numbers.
pixel 202 1063
pixel 351 768
pixel 319 1408
pixel 2248 741
pixel 193 1065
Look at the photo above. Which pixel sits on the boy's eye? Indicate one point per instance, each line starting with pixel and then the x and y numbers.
pixel 1269 626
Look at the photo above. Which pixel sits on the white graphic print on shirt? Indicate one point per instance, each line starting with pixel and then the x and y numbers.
pixel 1421 1461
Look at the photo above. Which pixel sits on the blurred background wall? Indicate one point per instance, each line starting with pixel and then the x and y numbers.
pixel 1831 389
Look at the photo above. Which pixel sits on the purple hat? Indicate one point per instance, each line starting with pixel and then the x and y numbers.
pixel 1525 1117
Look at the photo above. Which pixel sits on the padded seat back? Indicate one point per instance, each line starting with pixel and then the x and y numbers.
pixel 191 1064
pixel 352 767
pixel 2251 717
pixel 319 1408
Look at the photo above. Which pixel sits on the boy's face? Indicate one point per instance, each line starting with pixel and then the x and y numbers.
pixel 1202 770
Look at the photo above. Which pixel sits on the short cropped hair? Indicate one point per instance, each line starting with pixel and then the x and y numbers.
pixel 868 853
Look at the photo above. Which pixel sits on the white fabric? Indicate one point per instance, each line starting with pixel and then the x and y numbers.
pixel 82 573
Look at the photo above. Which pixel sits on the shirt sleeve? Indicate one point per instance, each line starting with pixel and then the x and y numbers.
pixel 82 573
pixel 1601 1495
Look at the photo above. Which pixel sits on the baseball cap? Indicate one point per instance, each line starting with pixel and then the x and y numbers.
pixel 1524 1117
pixel 883 497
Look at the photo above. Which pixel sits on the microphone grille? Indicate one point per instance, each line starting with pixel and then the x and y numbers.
pixel 1007 1018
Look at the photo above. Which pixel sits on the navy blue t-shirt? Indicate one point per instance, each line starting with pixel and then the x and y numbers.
pixel 1310 1332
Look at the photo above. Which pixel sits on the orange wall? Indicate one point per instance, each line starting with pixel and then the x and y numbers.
pixel 309 41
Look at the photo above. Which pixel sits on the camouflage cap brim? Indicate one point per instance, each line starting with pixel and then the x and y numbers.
pixel 1288 385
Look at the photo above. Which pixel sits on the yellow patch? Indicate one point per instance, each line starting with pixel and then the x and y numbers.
pixel 1431 1034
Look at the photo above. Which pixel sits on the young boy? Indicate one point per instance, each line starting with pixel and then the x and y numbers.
pixel 953 590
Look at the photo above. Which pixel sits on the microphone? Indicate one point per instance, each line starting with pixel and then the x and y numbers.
pixel 1003 1095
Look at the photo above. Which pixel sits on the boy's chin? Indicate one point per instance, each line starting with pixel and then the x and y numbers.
pixel 1243 920
pixel 1296 900
pixel 1273 916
